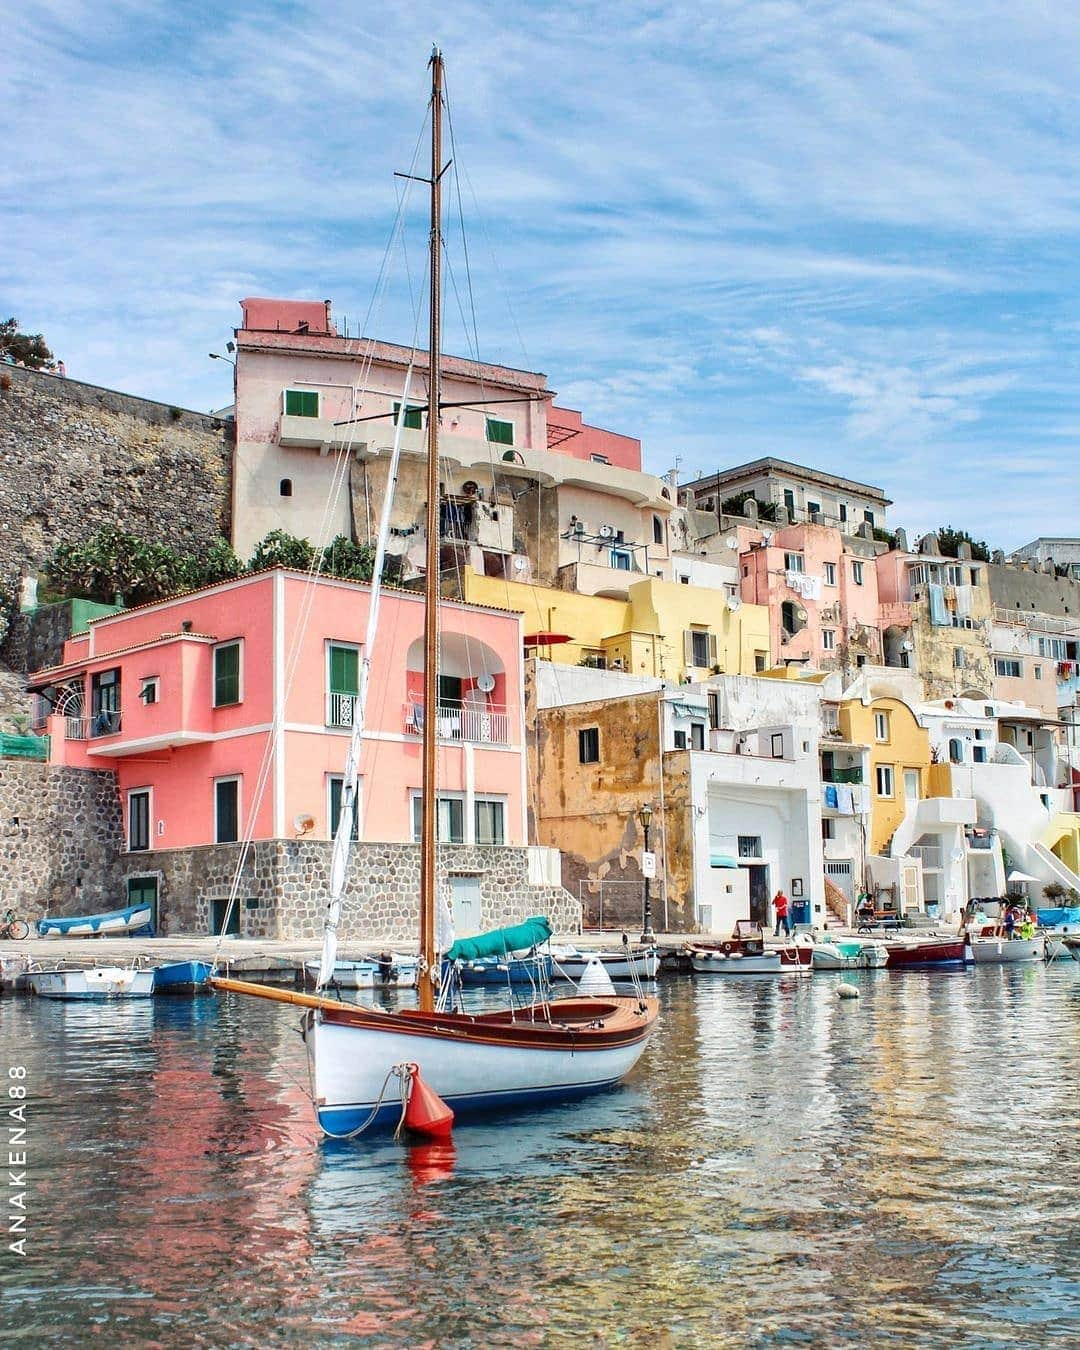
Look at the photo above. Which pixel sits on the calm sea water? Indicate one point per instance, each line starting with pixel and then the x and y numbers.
pixel 783 1168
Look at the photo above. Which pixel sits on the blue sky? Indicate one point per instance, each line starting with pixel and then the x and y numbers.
pixel 844 233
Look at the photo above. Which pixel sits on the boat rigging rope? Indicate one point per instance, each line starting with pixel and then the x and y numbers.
pixel 405 1081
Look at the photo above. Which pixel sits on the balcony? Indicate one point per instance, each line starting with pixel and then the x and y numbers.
pixel 459 723
pixel 843 776
pixel 930 855
pixel 340 710
pixel 92 728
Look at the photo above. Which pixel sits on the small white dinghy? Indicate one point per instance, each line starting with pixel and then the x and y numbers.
pixel 390 971
pixel 623 963
pixel 848 954
pixel 96 982
pixel 992 951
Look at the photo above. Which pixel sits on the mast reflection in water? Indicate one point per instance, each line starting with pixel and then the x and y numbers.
pixel 782 1165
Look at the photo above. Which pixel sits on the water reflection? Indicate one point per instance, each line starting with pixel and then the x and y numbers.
pixel 784 1165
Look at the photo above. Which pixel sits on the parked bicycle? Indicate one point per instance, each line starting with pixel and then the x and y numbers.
pixel 13 928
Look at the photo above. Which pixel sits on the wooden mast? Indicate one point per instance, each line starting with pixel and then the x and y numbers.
pixel 429 783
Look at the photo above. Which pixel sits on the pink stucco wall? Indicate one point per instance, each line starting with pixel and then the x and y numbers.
pixel 569 435
pixel 838 606
pixel 180 744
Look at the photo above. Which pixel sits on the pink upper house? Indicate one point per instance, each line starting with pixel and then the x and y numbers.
pixel 823 597
pixel 228 711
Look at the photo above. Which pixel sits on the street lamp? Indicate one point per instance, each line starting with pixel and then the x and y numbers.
pixel 645 816
pixel 217 356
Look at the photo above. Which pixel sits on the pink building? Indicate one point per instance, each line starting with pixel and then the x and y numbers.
pixel 228 712
pixel 821 587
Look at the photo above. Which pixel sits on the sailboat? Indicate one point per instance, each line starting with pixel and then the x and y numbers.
pixel 547 1051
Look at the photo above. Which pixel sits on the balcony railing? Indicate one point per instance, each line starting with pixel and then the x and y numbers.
pixel 929 853
pixel 843 775
pixel 457 722
pixel 91 728
pixel 340 709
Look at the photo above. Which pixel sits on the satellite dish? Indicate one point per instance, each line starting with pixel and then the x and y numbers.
pixel 907 645
pixel 766 536
pixel 521 564
pixel 485 683
pixel 734 602
pixel 800 614
pixel 303 825
pixel 605 531
pixel 732 541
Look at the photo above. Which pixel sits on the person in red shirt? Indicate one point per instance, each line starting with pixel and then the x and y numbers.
pixel 781 905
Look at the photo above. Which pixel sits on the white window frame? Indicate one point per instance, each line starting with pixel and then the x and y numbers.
pixel 697 637
pixel 415 795
pixel 884 775
pixel 135 792
pixel 1002 662
pixel 857 573
pixel 794 562
pixel 828 639
pixel 331 779
pixel 356 647
pixel 621 556
pixel 489 799
pixel 220 646
pixel 599 459
pixel 952 574
pixel 149 682
pixel 881 723
pixel 829 573
pixel 238 779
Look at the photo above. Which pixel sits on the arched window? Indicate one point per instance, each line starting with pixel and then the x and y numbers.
pixel 657 530
pixel 285 487
pixel 956 750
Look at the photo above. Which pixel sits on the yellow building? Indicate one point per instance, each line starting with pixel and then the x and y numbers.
pixel 899 760
pixel 1063 839
pixel 663 629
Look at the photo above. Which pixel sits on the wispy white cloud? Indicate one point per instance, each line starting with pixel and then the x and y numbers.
pixel 845 233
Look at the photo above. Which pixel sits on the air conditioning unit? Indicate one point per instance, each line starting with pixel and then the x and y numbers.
pixel 606 531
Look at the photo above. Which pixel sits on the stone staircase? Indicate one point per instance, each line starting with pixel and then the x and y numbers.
pixel 836 902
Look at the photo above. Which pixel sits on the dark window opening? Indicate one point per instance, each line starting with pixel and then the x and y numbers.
pixel 589 745
pixel 285 487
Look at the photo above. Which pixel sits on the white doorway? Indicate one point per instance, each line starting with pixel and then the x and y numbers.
pixel 465 904
pixel 911 785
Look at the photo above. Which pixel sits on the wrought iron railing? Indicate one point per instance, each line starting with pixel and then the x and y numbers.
pixel 340 709
pixel 458 722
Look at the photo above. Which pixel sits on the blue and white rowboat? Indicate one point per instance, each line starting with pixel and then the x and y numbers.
pixel 182 977
pixel 89 925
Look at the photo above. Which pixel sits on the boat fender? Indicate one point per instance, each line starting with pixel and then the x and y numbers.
pixel 425 1112
pixel 727 948
pixel 846 991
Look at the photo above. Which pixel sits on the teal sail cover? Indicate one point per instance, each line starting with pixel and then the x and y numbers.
pixel 501 941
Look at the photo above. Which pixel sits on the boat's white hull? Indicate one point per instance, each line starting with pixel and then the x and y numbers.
pixel 828 956
pixel 999 951
pixel 618 965
pixel 349 1065
pixel 94 925
pixel 735 963
pixel 99 982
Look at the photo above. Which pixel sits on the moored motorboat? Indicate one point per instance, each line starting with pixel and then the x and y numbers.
pixel 532 969
pixel 625 964
pixel 848 954
pixel 128 920
pixel 183 977
pixel 745 953
pixel 935 951
pixel 1002 950
pixel 94 982
pixel 391 970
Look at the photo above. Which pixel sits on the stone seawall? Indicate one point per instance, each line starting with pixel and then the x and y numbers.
pixel 60 837
pixel 75 457
pixel 285 888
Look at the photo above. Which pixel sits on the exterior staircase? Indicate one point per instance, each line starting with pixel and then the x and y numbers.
pixel 836 902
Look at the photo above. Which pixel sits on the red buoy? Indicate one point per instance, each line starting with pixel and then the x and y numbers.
pixel 426 1112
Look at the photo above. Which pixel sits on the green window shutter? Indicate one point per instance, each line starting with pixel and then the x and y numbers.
pixel 227 674
pixel 337 789
pixel 500 432
pixel 301 403
pixel 344 670
pixel 414 417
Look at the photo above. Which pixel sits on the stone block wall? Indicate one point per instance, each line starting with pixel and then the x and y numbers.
pixel 60 836
pixel 75 457
pixel 285 888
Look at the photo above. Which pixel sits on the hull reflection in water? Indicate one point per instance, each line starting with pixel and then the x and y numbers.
pixel 476 1064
